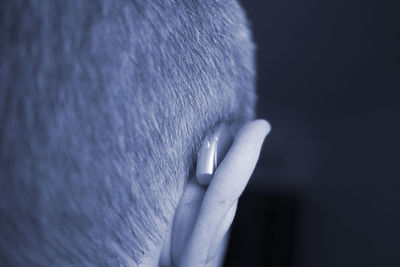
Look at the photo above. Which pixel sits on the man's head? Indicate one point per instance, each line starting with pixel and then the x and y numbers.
pixel 103 108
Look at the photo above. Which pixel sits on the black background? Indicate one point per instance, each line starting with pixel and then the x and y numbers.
pixel 326 191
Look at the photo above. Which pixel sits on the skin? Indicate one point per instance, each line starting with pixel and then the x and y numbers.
pixel 206 213
pixel 103 107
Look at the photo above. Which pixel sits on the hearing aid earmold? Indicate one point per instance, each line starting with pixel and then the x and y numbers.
pixel 211 153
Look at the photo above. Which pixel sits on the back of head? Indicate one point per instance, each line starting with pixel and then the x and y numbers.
pixel 103 106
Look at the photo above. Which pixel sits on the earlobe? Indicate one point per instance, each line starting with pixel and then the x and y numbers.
pixel 221 232
pixel 185 218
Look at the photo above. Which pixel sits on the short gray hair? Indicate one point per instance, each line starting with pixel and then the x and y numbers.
pixel 103 105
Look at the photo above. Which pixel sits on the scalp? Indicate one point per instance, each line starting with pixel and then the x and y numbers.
pixel 102 109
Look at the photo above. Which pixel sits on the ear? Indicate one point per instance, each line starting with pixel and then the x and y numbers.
pixel 204 215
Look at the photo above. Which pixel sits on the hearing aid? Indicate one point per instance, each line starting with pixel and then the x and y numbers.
pixel 213 149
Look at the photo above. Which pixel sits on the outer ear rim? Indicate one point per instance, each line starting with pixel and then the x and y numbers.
pixel 233 174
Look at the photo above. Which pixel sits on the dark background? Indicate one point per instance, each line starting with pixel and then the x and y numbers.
pixel 327 189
